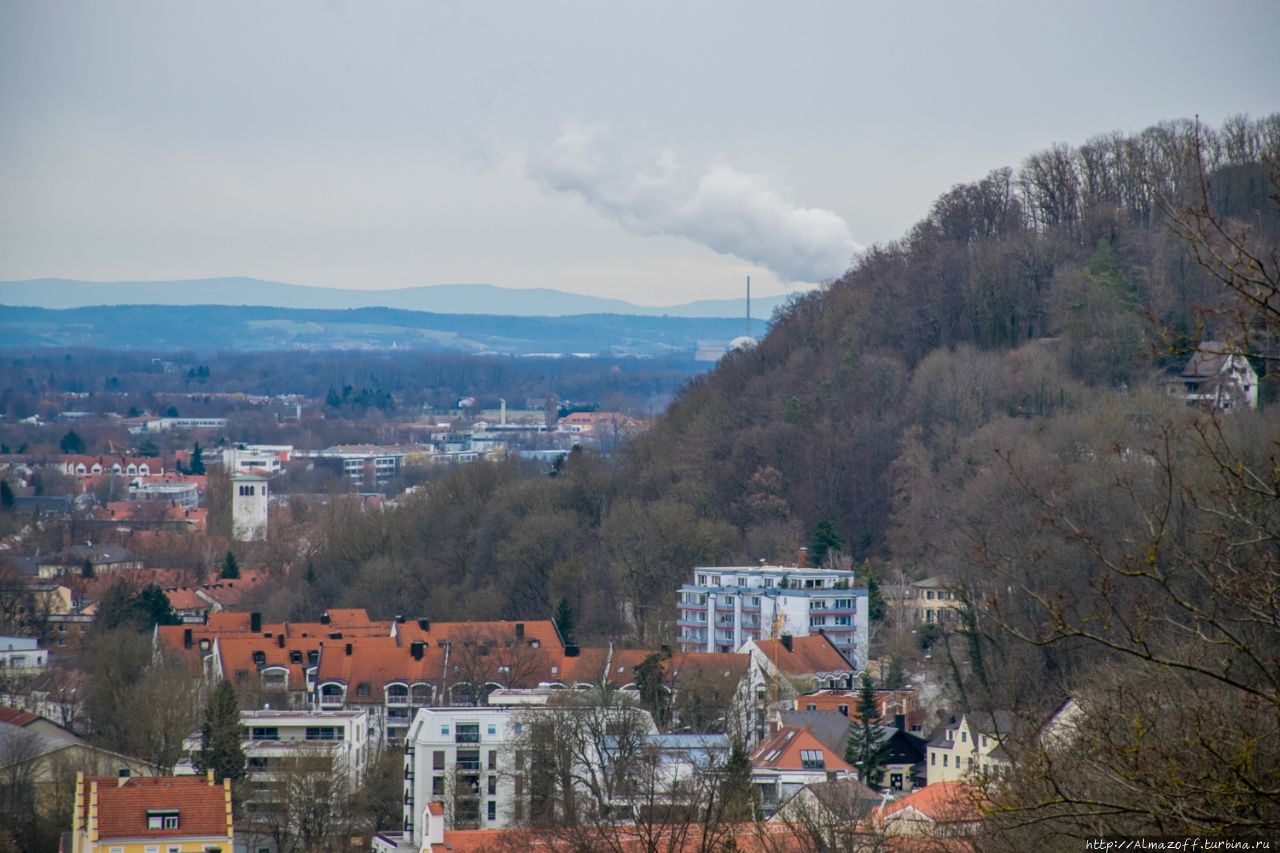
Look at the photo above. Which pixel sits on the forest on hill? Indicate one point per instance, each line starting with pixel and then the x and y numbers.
pixel 982 399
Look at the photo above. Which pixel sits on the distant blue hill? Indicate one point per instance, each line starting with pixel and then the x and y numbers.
pixel 438 299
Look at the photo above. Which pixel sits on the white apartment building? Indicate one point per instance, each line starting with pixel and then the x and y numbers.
pixel 726 606
pixel 269 737
pixel 256 457
pixel 473 760
pixel 463 758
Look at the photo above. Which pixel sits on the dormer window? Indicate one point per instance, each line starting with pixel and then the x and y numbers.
pixel 295 657
pixel 811 759
pixel 162 819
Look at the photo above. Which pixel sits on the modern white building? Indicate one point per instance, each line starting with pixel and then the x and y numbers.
pixel 249 501
pixel 256 457
pixel 726 606
pixel 21 656
pixel 479 762
pixel 463 758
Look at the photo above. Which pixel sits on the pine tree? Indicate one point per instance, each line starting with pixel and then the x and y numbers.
pixel 564 620
pixel 197 460
pixel 825 540
pixel 867 749
pixel 230 568
pixel 739 799
pixel 220 749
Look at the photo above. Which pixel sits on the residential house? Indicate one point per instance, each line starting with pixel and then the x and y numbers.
pixel 47 756
pixel 941 812
pixel 930 601
pixel 70 562
pixel 160 814
pixel 904 755
pixel 970 746
pixel 722 608
pixel 788 761
pixel 787 667
pixel 1219 377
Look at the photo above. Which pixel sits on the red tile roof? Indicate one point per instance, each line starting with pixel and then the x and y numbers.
pixel 16 717
pixel 941 802
pixel 202 806
pixel 782 751
pixel 808 655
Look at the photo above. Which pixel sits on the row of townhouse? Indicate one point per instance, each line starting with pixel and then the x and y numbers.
pixel 391 668
pixel 119 466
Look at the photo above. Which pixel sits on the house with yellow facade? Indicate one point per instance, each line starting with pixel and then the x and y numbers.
pixel 157 814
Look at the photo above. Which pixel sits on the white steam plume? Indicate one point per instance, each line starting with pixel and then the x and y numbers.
pixel 734 213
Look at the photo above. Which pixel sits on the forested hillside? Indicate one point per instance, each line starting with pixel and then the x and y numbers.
pixel 982 399
pixel 1029 299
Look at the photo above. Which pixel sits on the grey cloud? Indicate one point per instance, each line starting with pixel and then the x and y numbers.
pixel 731 212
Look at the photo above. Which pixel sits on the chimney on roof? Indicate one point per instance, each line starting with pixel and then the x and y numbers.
pixel 416 648
pixel 348 648
pixel 570 650
pixel 788 642
pixel 519 630
pixel 324 618
pixel 802 558
pixel 280 641
pixel 186 638
pixel 255 622
pixel 425 625
pixel 399 619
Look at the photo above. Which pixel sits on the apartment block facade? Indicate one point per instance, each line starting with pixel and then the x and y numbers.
pixel 723 607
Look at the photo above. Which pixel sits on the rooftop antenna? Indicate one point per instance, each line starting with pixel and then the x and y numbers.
pixel 748 331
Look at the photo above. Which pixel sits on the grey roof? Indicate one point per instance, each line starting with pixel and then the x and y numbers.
pixel 830 727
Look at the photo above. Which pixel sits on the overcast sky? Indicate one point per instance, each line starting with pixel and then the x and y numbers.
pixel 655 152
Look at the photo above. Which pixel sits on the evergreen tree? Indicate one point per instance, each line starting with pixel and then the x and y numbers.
pixel 739 799
pixel 220 749
pixel 72 443
pixel 86 571
pixel 564 620
pixel 654 697
pixel 875 598
pixel 825 540
pixel 7 498
pixel 197 460
pixel 230 568
pixel 151 607
pixel 867 748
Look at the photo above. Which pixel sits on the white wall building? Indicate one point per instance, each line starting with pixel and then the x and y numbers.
pixel 249 500
pixel 256 457
pixel 724 607
pixel 21 656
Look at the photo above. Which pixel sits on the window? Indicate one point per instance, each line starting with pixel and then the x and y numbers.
pixel 468 733
pixel 363 688
pixel 984 741
pixel 493 760
pixel 153 848
pixel 265 733
pixel 811 707
pixel 493 785
pixel 444 730
pixel 162 819
pixel 325 732
pixel 437 786
pixel 964 737
pixel 295 657
pixel 437 760
pixel 933 758
pixel 811 759
pixel 492 729
pixel 944 761
pixel 843 709
pixel 493 810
